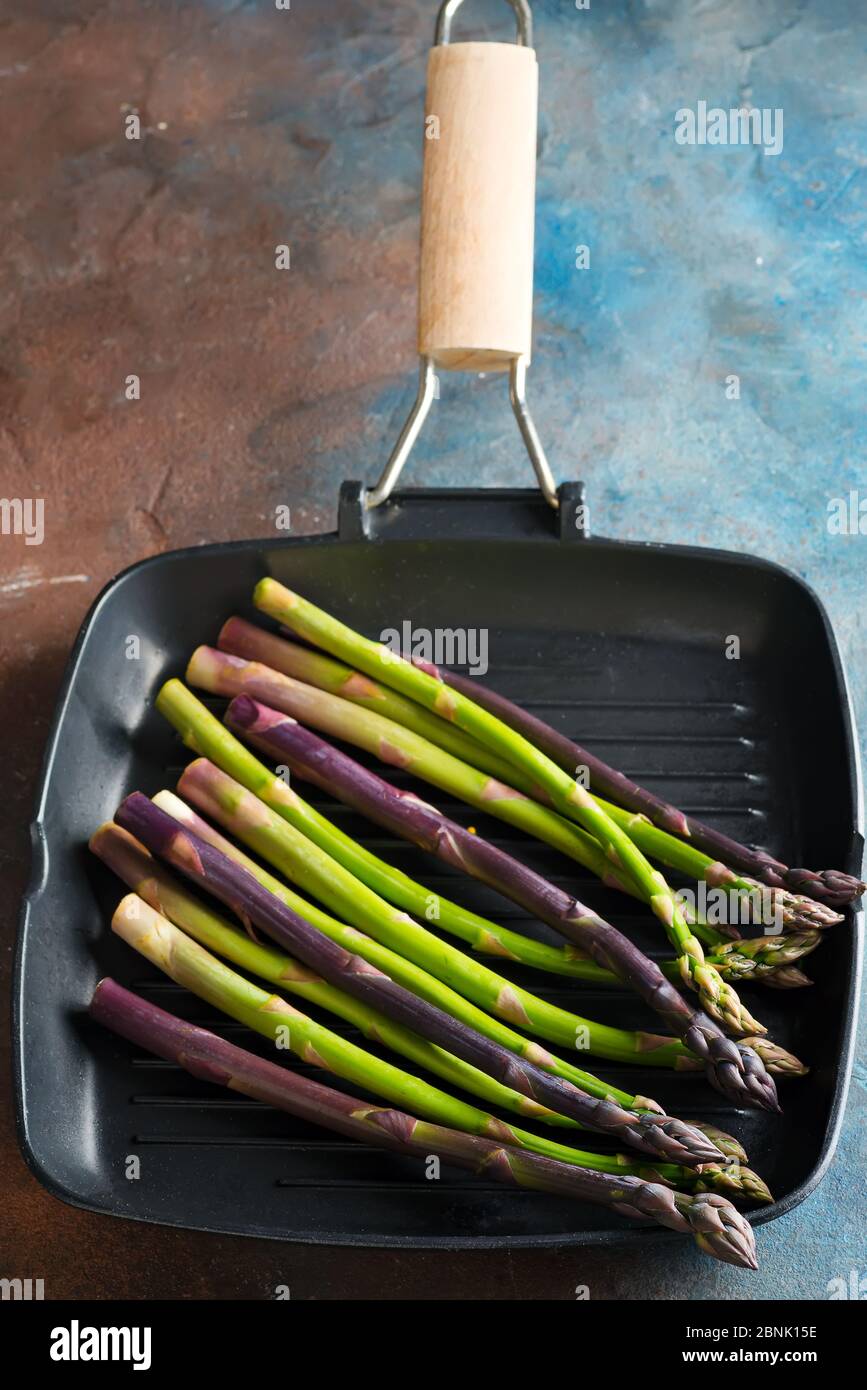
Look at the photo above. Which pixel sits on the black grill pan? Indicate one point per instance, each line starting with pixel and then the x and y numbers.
pixel 620 645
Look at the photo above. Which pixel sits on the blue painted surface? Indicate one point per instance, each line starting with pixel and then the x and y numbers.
pixel 705 262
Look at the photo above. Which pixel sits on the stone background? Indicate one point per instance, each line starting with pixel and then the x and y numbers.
pixel 262 388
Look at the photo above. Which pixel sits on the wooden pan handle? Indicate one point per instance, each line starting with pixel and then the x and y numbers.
pixel 478 206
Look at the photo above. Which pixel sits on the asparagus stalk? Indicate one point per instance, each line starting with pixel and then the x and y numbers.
pixel 830 886
pixel 222 674
pixel 254 905
pixel 254 644
pixel 733 1070
pixel 718 1227
pixel 185 961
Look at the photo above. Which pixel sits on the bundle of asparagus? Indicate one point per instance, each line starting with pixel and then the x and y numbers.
pixel 660 1135
pixel 227 675
pixel 754 959
pixel 376 967
pixel 757 959
pixel 224 675
pixel 107 846
pixel 717 1226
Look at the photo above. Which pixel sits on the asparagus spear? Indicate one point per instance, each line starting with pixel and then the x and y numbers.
pixel 255 906
pixel 188 964
pixel 222 674
pixel 254 644
pixel 830 886
pixel 735 1071
pixel 718 1227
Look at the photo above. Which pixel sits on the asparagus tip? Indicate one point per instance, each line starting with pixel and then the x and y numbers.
pixel 786 977
pixel 776 1058
pixel 720 1230
pixel 736 1179
pixel 675 1141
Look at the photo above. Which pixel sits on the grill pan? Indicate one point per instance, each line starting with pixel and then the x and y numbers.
pixel 620 645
